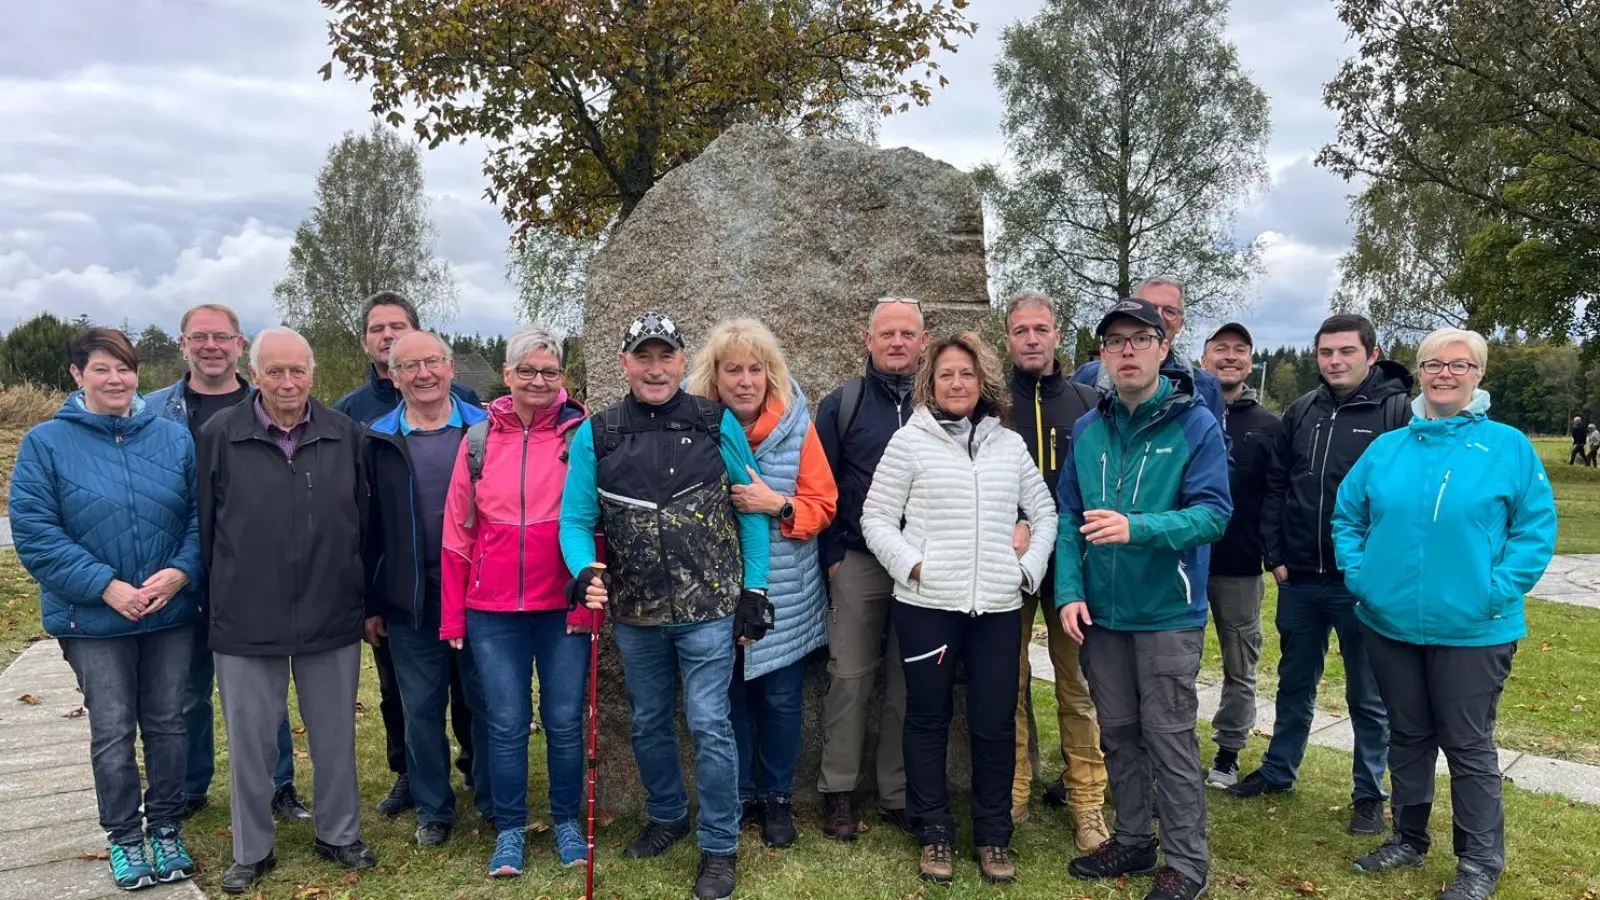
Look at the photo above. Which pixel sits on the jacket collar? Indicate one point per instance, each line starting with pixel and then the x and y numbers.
pixel 1477 410
pixel 319 426
pixel 896 386
pixel 139 415
pixel 462 415
pixel 1386 378
pixel 383 388
pixel 1174 393
pixel 922 417
pixel 1050 384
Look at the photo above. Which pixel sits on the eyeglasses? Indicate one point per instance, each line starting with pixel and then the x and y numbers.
pixel 909 301
pixel 529 373
pixel 1141 341
pixel 1456 366
pixel 215 337
pixel 412 366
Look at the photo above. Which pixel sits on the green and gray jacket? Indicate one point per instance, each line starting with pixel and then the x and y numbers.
pixel 1165 467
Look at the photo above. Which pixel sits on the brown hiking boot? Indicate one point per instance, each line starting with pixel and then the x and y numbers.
pixel 1019 813
pixel 995 864
pixel 839 820
pixel 1091 827
pixel 937 865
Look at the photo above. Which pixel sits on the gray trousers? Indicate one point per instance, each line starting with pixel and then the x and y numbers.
pixel 859 642
pixel 1236 609
pixel 255 698
pixel 1143 685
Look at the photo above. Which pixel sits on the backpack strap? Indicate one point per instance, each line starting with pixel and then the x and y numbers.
pixel 477 448
pixel 1396 411
pixel 849 405
pixel 709 412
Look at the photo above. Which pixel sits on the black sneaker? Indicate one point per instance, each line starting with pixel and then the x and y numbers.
pixel 718 875
pixel 399 799
pixel 1174 885
pixel 777 822
pixel 749 813
pixel 1390 857
pixel 1224 770
pixel 192 805
pixel 432 834
pixel 1255 784
pixel 839 818
pixel 1367 819
pixel 1113 860
pixel 657 838
pixel 1472 882
pixel 1056 794
pixel 286 805
pixel 354 855
pixel 898 818
pixel 240 878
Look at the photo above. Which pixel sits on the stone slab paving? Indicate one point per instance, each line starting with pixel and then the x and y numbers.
pixel 5 531
pixel 49 828
pixel 1576 781
pixel 1571 579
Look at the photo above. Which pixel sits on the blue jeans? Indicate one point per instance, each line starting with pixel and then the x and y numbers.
pixel 506 647
pixel 422 672
pixel 134 685
pixel 1307 610
pixel 199 726
pixel 770 707
pixel 653 658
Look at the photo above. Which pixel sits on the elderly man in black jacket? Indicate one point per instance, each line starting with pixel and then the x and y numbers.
pixel 282 498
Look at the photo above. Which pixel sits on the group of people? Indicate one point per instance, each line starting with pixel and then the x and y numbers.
pixel 1585 444
pixel 242 532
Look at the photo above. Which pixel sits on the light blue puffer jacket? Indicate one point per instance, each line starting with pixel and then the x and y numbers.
pixel 795 582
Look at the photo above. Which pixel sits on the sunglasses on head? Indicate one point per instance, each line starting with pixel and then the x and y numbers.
pixel 909 301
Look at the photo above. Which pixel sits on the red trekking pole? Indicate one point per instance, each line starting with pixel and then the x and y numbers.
pixel 594 733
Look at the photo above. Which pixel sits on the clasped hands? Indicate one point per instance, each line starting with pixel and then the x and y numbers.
pixel 134 603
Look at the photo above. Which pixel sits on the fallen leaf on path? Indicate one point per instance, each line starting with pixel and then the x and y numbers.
pixel 361 708
pixel 299 731
pixel 350 878
pixel 1305 887
pixel 225 832
pixel 1122 882
pixel 538 827
pixel 302 754
pixel 311 892
pixel 95 854
pixel 30 699
pixel 74 713
pixel 1240 881
pixel 1544 645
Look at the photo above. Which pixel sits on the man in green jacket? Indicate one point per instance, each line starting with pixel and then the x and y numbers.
pixel 1144 495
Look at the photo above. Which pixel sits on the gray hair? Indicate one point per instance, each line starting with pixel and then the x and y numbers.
pixel 1164 281
pixel 529 338
pixel 263 334
pixel 1444 337
pixel 448 353
pixel 1029 300
pixel 881 302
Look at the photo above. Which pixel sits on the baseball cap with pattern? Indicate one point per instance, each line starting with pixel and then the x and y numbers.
pixel 652 326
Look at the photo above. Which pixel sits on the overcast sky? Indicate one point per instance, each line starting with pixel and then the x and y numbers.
pixel 156 155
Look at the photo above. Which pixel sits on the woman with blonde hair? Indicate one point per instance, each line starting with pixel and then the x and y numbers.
pixel 743 367
pixel 1440 529
pixel 940 518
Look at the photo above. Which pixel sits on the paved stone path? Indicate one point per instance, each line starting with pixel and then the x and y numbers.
pixel 5 531
pixel 1571 579
pixel 1535 773
pixel 49 828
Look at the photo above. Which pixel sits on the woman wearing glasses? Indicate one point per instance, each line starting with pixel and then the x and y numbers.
pixel 503 582
pixel 1440 529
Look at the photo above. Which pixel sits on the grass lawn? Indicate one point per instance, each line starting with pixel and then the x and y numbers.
pixel 10 440
pixel 19 608
pixel 1577 498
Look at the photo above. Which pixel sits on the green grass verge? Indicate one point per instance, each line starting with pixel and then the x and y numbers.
pixel 19 608
pixel 1577 498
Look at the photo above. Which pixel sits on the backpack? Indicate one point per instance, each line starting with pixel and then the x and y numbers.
pixel 708 418
pixel 478 449
pixel 849 404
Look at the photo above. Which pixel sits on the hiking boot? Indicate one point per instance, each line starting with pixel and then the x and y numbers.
pixel 506 862
pixel 354 855
pixel 749 813
pixel 1367 819
pixel 777 822
pixel 937 865
pixel 130 865
pixel 1472 882
pixel 1174 885
pixel 839 818
pixel 1019 813
pixel 898 818
pixel 1090 825
pixel 432 834
pixel 995 864
pixel 399 799
pixel 241 877
pixel 1224 770
pixel 1056 794
pixel 1390 857
pixel 657 838
pixel 718 875
pixel 192 805
pixel 1115 859
pixel 1255 784
pixel 571 845
pixel 169 855
pixel 286 805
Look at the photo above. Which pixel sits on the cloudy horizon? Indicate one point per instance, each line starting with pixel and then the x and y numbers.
pixel 155 160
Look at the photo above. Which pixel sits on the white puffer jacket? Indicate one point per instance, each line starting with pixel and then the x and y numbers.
pixel 959 512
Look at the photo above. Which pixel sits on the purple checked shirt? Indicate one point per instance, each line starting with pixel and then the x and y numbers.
pixel 286 440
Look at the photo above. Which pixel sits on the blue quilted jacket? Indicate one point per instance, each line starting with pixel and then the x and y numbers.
pixel 95 498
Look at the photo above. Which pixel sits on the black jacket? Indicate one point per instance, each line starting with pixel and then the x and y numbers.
pixel 853 449
pixel 371 401
pixel 1321 438
pixel 1043 411
pixel 281 536
pixel 1252 428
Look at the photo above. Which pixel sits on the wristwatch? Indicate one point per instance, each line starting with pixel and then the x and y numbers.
pixel 787 513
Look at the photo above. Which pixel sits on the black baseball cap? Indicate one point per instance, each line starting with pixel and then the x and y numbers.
pixel 1236 328
pixel 1141 311
pixel 652 326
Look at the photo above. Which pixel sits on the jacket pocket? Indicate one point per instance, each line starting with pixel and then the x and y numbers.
pixel 494 584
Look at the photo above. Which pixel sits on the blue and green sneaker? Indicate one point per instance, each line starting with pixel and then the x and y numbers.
pixel 130 866
pixel 172 859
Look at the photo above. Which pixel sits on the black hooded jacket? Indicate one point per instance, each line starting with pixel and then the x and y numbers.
pixel 854 443
pixel 1321 440
pixel 1252 429
pixel 1043 410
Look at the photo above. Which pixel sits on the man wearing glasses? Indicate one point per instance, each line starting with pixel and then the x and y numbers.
pixel 409 456
pixel 211 343
pixel 1166 296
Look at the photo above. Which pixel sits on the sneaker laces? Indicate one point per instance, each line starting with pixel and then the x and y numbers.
pixel 939 853
pixel 167 845
pixel 125 857
pixel 998 855
pixel 567 833
pixel 1395 850
pixel 1089 818
pixel 508 843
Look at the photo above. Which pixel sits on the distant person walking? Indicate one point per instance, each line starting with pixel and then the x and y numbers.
pixel 1579 435
pixel 1594 443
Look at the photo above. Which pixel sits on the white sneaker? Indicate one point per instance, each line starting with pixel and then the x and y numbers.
pixel 1224 774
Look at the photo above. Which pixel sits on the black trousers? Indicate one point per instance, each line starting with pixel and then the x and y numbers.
pixel 989 647
pixel 1444 698
pixel 394 718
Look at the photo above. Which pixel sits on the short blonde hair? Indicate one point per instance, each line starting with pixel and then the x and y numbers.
pixel 753 338
pixel 233 317
pixel 1444 337
pixel 993 396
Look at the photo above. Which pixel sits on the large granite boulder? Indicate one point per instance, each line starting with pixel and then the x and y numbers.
pixel 803 235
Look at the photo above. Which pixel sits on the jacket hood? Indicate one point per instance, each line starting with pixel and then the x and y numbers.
pixel 562 415
pixel 1477 408
pixel 1174 393
pixel 1386 378
pixel 1246 397
pixel 139 415
pixel 390 422
pixel 924 419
